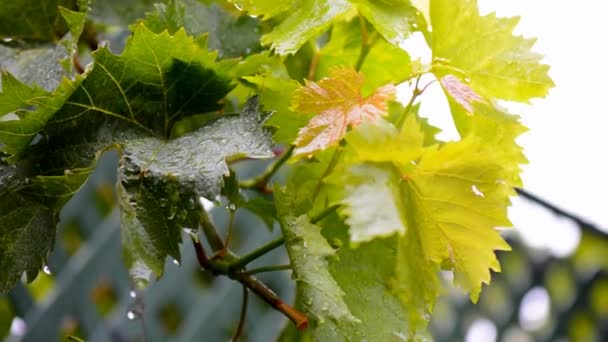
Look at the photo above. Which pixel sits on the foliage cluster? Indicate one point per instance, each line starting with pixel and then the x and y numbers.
pixel 373 206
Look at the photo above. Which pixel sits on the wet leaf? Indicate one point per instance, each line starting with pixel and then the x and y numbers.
pixel 229 34
pixel 338 104
pixel 161 182
pixel 321 296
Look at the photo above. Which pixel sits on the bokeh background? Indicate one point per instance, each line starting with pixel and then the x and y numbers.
pixel 554 284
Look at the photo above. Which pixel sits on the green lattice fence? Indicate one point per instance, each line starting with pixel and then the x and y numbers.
pixel 89 294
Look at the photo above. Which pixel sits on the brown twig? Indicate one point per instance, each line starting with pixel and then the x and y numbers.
pixel 222 266
pixel 239 328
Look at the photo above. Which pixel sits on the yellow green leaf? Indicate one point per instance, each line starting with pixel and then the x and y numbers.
pixel 498 63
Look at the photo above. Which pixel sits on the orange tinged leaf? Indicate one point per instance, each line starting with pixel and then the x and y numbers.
pixel 338 103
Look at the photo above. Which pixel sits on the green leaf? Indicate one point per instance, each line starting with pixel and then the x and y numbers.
pixel 161 182
pixel 308 252
pixel 157 80
pixel 276 93
pixel 444 202
pixel 383 64
pixel 372 203
pixel 36 108
pixel 454 201
pixel 231 35
pixel 27 229
pixel 34 20
pixel 498 64
pixel 365 275
pixel 266 8
pixel 15 96
pixel 497 131
pixel 305 21
pixel 393 19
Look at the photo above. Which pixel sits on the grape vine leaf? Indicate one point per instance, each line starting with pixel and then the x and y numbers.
pixel 161 183
pixel 131 101
pixel 306 20
pixel 497 130
pixel 45 63
pixel 34 20
pixel 393 19
pixel 308 252
pixel 364 274
pixel 384 63
pixel 27 228
pixel 229 34
pixel 444 202
pixel 498 64
pixel 338 104
pixel 276 93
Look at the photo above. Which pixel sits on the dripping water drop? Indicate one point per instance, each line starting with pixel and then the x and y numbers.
pixel 133 294
pixel 46 269
pixel 131 315
pixel 175 262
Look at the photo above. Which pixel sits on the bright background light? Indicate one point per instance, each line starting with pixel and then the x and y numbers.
pixel 567 140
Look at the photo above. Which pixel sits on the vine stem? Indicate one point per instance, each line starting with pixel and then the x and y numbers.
pixel 417 92
pixel 211 233
pixel 365 44
pixel 330 167
pixel 253 284
pixel 246 259
pixel 239 328
pixel 261 182
pixel 268 269
pixel 320 216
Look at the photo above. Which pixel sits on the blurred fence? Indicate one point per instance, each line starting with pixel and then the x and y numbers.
pixel 89 294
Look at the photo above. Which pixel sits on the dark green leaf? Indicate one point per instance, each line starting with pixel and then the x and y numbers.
pixel 34 20
pixel 161 183
pixel 27 229
pixel 231 35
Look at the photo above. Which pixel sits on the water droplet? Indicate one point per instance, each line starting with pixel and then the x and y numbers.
pixel 477 192
pixel 131 315
pixel 133 294
pixel 189 231
pixel 175 262
pixel 231 207
pixel 46 269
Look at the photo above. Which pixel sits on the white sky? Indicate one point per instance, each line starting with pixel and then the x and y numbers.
pixel 567 138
